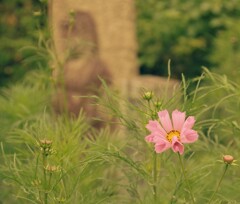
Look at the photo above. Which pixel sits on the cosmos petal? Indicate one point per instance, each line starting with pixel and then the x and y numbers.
pixel 162 146
pixel 178 119
pixel 189 122
pixel 165 120
pixel 154 127
pixel 189 136
pixel 177 146
pixel 149 138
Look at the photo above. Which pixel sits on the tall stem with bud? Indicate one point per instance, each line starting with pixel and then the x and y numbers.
pixel 46 149
pixel 228 160
pixel 148 97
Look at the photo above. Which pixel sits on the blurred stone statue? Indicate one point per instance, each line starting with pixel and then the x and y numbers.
pixel 78 77
pixel 97 38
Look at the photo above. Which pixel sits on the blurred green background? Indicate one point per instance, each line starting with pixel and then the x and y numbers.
pixel 18 32
pixel 190 33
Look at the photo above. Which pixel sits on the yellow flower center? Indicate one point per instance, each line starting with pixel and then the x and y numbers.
pixel 171 134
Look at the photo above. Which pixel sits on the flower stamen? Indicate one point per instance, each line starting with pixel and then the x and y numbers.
pixel 171 134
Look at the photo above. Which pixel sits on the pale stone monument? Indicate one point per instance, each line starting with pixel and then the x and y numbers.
pixel 96 38
pixel 114 29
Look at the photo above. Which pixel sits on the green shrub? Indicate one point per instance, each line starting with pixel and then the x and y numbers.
pixel 88 166
pixel 190 33
pixel 18 30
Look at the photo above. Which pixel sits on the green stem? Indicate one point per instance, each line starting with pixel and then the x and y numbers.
pixel 185 177
pixel 154 172
pixel 49 181
pixel 154 169
pixel 45 179
pixel 219 183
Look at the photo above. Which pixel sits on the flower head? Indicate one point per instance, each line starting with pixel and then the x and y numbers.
pixel 171 132
pixel 228 159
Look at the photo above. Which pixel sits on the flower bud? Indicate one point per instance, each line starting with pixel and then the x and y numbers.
pixel 52 169
pixel 228 159
pixel 46 147
pixel 45 143
pixel 148 95
pixel 158 104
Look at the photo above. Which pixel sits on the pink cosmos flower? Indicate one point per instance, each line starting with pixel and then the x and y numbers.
pixel 171 132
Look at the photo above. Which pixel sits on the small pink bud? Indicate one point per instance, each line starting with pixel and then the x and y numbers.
pixel 228 159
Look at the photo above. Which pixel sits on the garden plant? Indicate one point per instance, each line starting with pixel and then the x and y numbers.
pixel 163 149
pixel 180 146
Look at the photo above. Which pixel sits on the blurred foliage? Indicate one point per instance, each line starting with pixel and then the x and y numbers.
pixel 190 33
pixel 23 101
pixel 103 166
pixel 19 21
pixel 226 57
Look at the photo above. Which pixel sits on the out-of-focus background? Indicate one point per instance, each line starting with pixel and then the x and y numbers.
pixel 19 27
pixel 190 33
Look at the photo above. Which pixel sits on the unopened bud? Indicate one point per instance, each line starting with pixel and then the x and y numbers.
pixel 46 147
pixel 45 143
pixel 52 169
pixel 148 95
pixel 228 159
pixel 158 104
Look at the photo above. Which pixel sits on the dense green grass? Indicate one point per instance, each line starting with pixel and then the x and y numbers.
pixel 116 166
